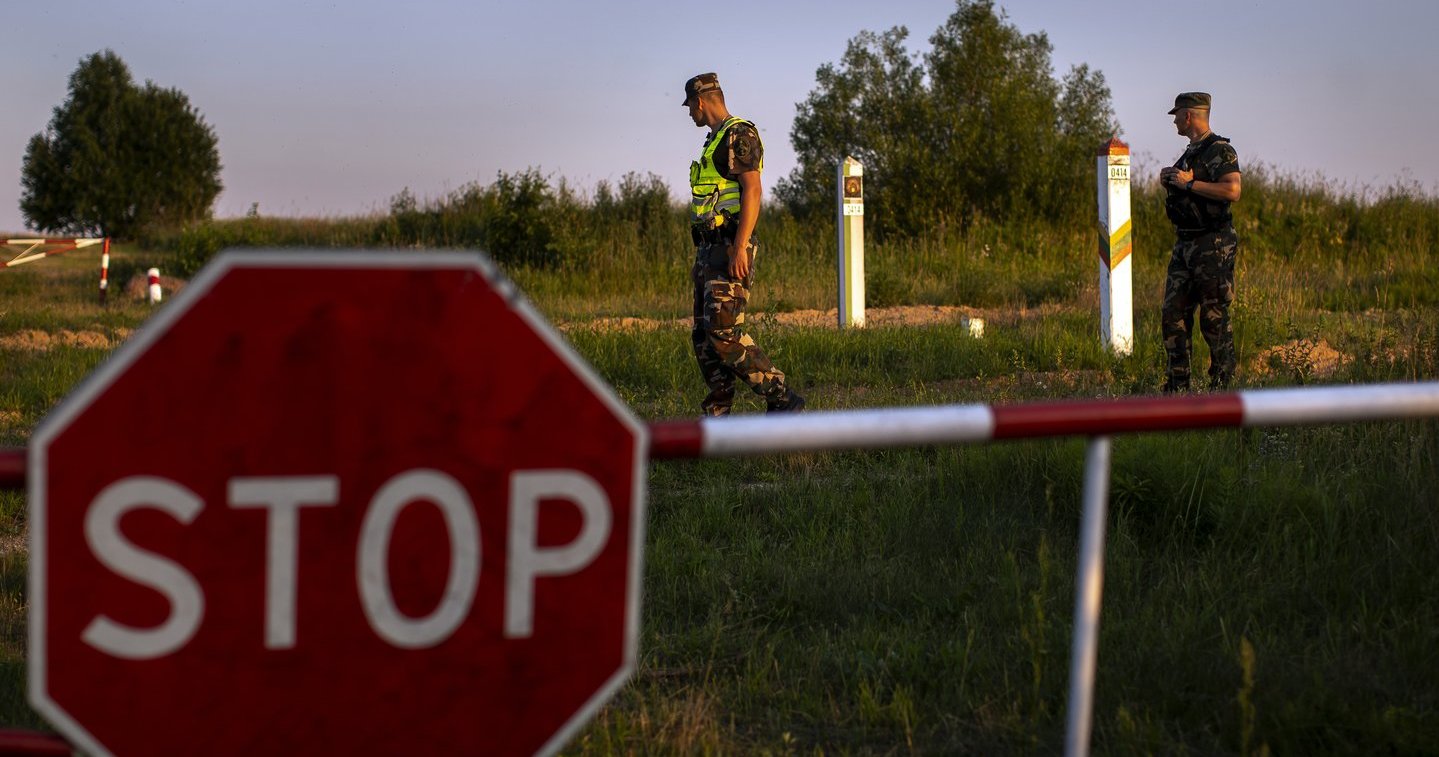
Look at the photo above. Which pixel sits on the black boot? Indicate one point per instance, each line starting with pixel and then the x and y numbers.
pixel 789 403
pixel 1176 386
pixel 717 403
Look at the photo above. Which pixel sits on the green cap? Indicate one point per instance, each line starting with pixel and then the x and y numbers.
pixel 701 83
pixel 1195 100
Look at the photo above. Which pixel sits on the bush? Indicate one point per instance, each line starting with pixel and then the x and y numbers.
pixel 521 220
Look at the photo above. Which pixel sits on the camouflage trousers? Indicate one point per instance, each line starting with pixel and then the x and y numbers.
pixel 1201 276
pixel 724 351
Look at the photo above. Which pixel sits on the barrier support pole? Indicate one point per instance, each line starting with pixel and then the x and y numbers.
pixel 1088 587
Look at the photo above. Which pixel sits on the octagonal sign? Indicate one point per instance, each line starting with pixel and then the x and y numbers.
pixel 342 503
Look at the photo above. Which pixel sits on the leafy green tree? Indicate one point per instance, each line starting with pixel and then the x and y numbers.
pixel 977 126
pixel 117 158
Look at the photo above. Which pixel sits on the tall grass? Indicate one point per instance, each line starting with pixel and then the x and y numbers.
pixel 624 250
pixel 1265 589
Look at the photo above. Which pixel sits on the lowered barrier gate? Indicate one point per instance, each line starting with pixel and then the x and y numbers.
pixel 965 424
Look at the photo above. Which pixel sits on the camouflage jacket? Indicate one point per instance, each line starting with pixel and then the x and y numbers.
pixel 1211 158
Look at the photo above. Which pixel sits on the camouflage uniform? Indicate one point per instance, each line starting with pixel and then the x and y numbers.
pixel 721 346
pixel 1201 267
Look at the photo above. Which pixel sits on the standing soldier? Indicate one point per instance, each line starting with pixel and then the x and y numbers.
pixel 1199 188
pixel 724 209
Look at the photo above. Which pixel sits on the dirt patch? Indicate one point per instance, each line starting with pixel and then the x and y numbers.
pixel 13 544
pixel 1304 358
pixel 623 324
pixel 1068 382
pixel 35 340
pixel 902 315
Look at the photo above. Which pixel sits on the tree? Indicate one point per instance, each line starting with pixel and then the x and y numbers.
pixel 977 126
pixel 117 159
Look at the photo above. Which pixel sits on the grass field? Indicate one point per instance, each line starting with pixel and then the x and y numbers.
pixel 1265 589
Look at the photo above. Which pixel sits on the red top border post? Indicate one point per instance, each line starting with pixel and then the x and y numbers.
pixel 1113 147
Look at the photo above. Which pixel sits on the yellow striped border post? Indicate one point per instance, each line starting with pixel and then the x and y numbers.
pixel 1116 287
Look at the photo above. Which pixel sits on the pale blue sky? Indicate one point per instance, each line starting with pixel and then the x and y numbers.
pixel 330 108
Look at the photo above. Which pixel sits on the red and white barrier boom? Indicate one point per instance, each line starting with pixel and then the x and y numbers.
pixel 959 424
pixel 35 249
pixel 953 424
pixel 43 247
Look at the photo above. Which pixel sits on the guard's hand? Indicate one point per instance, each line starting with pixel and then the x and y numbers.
pixel 1182 177
pixel 739 262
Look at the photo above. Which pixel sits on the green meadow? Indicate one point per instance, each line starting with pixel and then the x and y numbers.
pixel 1266 591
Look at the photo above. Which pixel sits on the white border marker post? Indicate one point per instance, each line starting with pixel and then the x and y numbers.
pixel 850 220
pixel 1116 240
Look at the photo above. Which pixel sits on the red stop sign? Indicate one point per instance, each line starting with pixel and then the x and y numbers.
pixel 335 503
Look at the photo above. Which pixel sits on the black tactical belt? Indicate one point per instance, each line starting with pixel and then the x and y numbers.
pixel 1188 234
pixel 704 237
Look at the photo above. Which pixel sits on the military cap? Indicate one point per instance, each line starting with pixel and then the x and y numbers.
pixel 1195 100
pixel 702 83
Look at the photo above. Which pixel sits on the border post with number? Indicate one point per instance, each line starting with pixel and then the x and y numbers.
pixel 1116 241
pixel 851 243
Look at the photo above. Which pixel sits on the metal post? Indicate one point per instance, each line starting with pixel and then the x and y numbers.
pixel 850 219
pixel 1088 586
pixel 1116 240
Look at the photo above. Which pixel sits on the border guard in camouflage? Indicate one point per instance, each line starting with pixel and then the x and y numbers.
pixel 724 210
pixel 1199 188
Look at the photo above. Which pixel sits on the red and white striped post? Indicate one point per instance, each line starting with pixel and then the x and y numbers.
pixel 153 275
pixel 104 269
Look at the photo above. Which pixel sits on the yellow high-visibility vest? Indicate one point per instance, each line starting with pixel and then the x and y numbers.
pixel 713 198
